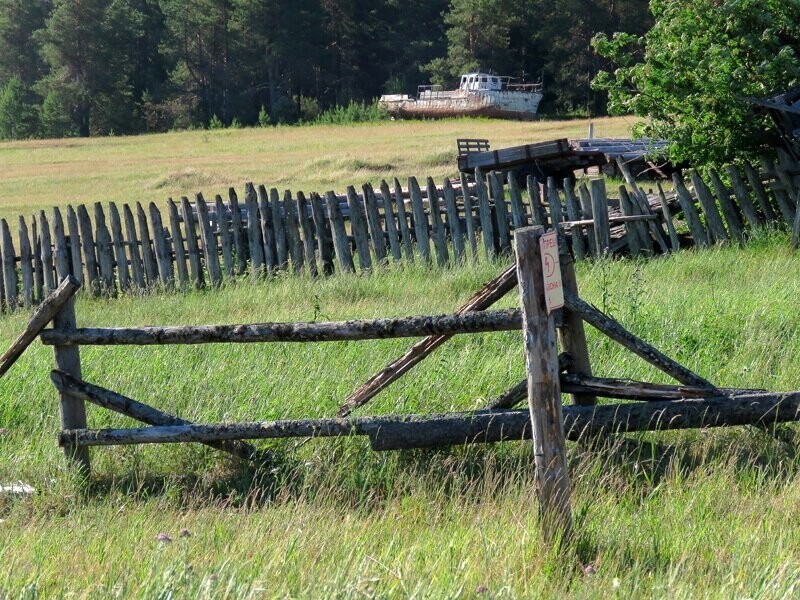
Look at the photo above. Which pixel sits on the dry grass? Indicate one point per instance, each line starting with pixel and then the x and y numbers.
pixel 39 174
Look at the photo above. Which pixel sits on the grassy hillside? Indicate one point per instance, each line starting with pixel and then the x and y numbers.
pixel 151 168
pixel 702 513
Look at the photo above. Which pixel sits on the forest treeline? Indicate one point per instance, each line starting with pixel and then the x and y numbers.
pixel 99 67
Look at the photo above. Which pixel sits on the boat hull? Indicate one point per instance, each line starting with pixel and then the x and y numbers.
pixel 494 104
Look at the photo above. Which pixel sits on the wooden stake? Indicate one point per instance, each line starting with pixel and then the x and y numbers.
pixel 73 411
pixel 544 391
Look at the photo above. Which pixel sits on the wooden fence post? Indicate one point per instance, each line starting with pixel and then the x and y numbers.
pixel 73 411
pixel 544 389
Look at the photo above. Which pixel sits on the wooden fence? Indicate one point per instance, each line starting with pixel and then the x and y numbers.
pixel 199 243
pixel 694 403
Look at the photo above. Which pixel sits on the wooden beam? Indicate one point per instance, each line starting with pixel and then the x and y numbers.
pixel 67 384
pixel 45 313
pixel 481 300
pixel 642 349
pixel 333 331
pixel 430 431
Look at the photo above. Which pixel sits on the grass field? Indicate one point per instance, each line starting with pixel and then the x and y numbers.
pixel 700 514
pixel 150 168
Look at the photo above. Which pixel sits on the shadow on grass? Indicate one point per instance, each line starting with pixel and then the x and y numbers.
pixel 348 473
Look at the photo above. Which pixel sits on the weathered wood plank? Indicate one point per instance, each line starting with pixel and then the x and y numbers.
pixel 267 230
pixel 225 237
pixel 421 230
pixel 46 253
pixel 544 390
pixel 137 268
pixel 166 272
pixel 518 217
pixel 118 241
pixel 374 224
pixel 324 235
pixel 743 197
pixel 26 266
pixel 639 200
pixel 38 266
pixel 586 208
pixel 485 213
pixel 359 229
pixel 343 256
pixel 726 206
pixel 640 227
pixel 192 249
pixel 501 212
pixel 238 233
pixel 690 215
pixel 293 232
pixel 602 233
pixel 105 252
pixel 208 240
pixel 255 243
pixel 554 206
pixel 713 219
pixel 667 212
pixel 301 209
pixel 402 221
pixel 76 258
pixel 757 186
pixel 44 313
pixel 437 227
pixel 573 213
pixel 634 243
pixel 453 222
pixel 779 188
pixel 391 227
pixel 335 331
pixel 61 249
pixel 148 255
pixel 9 267
pixel 538 212
pixel 469 217
pixel 88 248
pixel 177 244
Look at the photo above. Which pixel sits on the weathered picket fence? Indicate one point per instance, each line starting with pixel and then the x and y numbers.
pixel 204 244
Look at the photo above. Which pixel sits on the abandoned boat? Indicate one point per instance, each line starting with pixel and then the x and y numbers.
pixel 478 95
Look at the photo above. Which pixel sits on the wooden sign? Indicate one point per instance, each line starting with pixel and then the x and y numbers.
pixel 551 268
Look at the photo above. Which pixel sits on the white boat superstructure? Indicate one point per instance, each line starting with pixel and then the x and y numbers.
pixel 478 94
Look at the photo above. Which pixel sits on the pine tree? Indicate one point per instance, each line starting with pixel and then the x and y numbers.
pixel 19 117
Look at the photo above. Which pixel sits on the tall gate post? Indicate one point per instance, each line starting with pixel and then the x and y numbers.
pixel 73 411
pixel 544 389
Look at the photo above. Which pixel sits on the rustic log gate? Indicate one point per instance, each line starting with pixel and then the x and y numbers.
pixel 694 403
pixel 198 244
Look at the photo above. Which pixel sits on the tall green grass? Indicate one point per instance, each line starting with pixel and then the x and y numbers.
pixel 710 513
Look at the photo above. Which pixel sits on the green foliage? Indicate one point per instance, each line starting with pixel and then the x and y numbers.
pixel 19 117
pixel 354 112
pixel 216 123
pixel 56 121
pixel 263 117
pixel 689 77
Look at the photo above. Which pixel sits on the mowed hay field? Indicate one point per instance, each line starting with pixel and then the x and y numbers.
pixel 151 168
pixel 711 513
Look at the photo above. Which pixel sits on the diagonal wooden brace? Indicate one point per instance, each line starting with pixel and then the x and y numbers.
pixel 104 398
